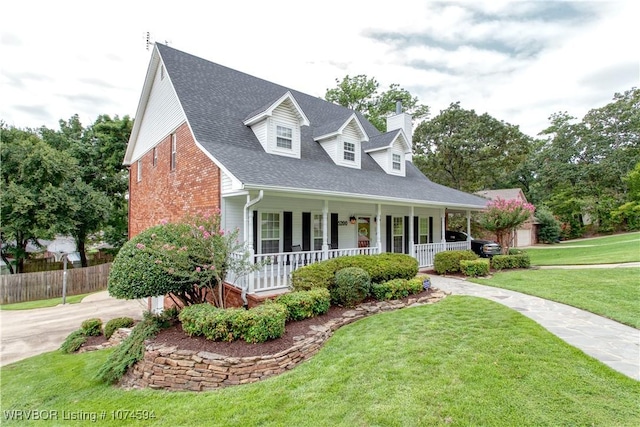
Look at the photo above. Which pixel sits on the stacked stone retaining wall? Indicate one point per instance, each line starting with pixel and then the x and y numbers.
pixel 170 368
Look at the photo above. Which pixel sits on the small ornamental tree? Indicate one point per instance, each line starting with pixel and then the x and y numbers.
pixel 183 260
pixel 503 216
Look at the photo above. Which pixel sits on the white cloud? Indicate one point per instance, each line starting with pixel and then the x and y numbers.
pixel 519 61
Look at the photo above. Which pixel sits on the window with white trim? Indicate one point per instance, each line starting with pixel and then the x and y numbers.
pixel 284 137
pixel 395 161
pixel 270 232
pixel 317 232
pixel 349 151
pixel 173 151
pixel 139 170
pixel 398 234
pixel 423 230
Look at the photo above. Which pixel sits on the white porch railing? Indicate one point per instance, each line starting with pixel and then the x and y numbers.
pixel 275 269
pixel 426 252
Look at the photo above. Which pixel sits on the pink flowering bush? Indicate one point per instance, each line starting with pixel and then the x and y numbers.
pixel 187 260
pixel 504 216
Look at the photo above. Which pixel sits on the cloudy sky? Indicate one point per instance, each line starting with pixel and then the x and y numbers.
pixel 519 61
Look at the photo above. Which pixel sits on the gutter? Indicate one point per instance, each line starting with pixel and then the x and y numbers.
pixel 246 233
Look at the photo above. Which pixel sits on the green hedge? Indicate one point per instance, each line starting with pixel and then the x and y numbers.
pixel 449 261
pixel 258 324
pixel 305 304
pixel 353 285
pixel 475 268
pixel 398 288
pixel 92 327
pixel 262 323
pixel 502 262
pixel 380 267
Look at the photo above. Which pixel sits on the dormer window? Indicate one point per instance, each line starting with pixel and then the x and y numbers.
pixel 284 137
pixel 349 151
pixel 395 162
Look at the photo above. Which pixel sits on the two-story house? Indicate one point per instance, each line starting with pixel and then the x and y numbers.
pixel 300 177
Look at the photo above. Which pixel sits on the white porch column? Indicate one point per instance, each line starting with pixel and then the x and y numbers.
pixel 325 226
pixel 442 224
pixel 379 228
pixel 411 237
pixel 468 225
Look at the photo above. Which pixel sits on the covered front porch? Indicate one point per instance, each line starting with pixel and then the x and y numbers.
pixel 283 232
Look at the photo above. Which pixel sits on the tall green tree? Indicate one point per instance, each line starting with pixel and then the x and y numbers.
pixel 33 197
pixel 98 191
pixel 470 152
pixel 362 94
pixel 582 164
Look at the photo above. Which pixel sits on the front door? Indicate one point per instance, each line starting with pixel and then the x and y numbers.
pixel 364 232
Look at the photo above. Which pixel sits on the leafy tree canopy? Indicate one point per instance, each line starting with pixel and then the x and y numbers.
pixel 361 93
pixel 470 152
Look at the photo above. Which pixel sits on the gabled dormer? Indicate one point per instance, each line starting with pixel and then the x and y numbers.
pixel 390 151
pixel 277 126
pixel 342 140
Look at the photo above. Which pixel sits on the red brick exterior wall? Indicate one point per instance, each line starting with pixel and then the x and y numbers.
pixel 194 185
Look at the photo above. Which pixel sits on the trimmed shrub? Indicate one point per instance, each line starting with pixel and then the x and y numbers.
pixel 397 288
pixel 305 304
pixel 92 327
pixel 213 323
pixel 115 324
pixel 318 275
pixel 352 286
pixel 475 268
pixel 502 262
pixel 381 267
pixel 131 349
pixel 259 324
pixel 73 341
pixel 449 261
pixel 262 323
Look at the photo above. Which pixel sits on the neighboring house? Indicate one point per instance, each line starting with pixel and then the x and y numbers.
pixel 526 234
pixel 303 179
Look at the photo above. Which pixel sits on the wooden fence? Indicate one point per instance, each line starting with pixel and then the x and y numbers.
pixel 48 284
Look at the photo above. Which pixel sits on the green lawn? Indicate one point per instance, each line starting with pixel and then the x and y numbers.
pixel 600 250
pixel 28 305
pixel 612 293
pixel 464 361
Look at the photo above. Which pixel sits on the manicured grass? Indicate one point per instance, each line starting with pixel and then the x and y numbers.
pixel 28 305
pixel 612 293
pixel 461 362
pixel 600 250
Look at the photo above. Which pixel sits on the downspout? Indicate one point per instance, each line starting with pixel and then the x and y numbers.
pixel 247 223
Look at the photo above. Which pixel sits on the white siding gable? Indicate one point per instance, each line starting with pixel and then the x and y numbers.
pixel 278 129
pixel 344 145
pixel 395 153
pixel 162 115
pixel 350 139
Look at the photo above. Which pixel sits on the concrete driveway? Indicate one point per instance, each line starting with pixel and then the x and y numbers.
pixel 26 333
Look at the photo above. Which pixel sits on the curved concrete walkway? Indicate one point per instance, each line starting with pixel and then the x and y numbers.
pixel 26 333
pixel 613 343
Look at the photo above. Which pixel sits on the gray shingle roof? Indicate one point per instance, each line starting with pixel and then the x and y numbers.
pixel 216 101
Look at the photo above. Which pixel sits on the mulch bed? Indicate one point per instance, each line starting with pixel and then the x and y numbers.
pixel 175 336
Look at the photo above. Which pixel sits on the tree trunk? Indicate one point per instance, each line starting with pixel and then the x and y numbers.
pixel 83 256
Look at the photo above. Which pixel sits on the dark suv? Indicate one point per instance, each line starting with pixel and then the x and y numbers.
pixel 484 248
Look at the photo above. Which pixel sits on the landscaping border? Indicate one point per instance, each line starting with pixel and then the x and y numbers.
pixel 170 368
